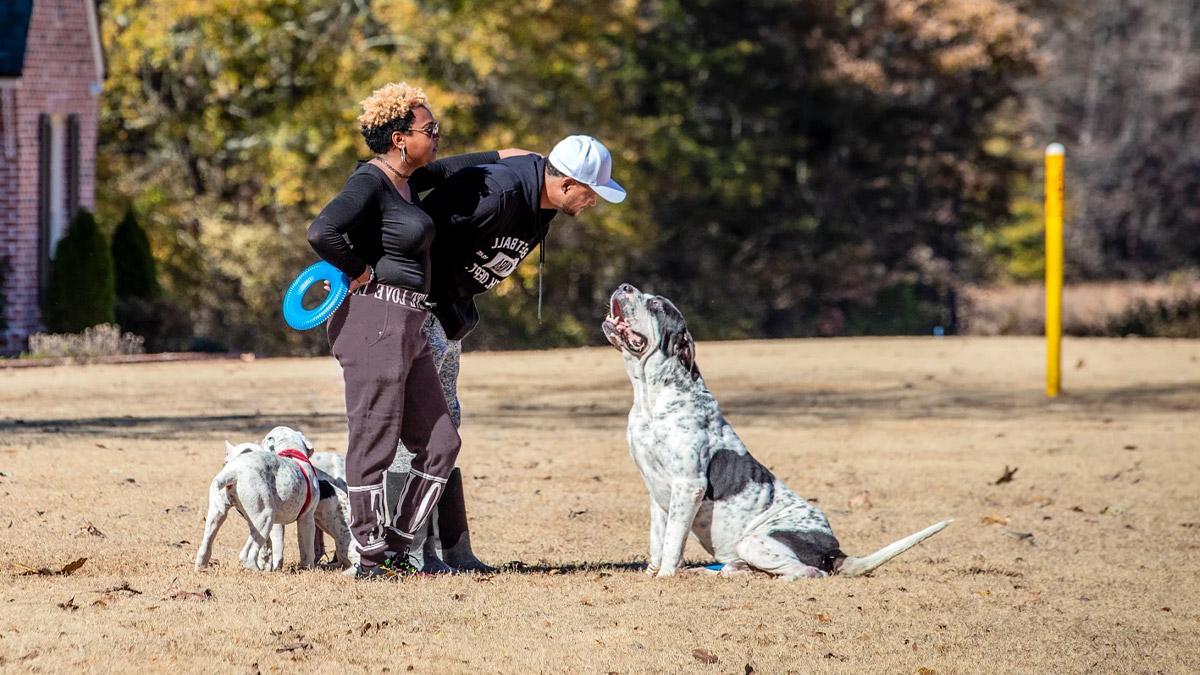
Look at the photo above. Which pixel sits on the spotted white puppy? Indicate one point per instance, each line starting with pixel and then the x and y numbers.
pixel 268 489
pixel 700 475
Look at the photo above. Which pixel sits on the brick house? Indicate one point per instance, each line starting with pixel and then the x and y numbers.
pixel 51 72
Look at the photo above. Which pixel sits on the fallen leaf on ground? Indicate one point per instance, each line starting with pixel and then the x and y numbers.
pixel 1022 536
pixel 926 671
pixel 860 502
pixel 47 572
pixel 69 605
pixel 995 519
pixel 124 587
pixel 89 528
pixel 704 656
pixel 1007 476
pixel 1112 509
pixel 293 647
pixel 202 595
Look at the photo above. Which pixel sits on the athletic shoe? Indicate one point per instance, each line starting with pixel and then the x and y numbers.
pixel 392 567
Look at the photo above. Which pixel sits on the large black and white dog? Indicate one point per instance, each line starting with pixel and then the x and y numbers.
pixel 700 476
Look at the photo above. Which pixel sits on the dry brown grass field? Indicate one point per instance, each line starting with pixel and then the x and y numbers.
pixel 1086 561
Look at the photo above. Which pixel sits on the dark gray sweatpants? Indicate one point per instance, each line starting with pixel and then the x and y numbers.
pixel 393 394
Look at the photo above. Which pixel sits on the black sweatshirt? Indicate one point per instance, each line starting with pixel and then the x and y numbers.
pixel 488 217
pixel 369 223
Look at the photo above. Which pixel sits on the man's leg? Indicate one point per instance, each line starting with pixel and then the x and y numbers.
pixel 431 436
pixel 450 523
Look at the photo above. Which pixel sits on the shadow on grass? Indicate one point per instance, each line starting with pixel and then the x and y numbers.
pixel 174 427
pixel 906 401
pixel 542 567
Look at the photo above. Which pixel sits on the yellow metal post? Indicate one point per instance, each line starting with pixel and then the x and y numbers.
pixel 1054 267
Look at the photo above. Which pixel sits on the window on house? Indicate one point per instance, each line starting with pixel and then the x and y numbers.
pixel 58 183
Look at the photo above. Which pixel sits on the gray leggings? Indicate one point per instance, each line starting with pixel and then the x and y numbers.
pixel 446 356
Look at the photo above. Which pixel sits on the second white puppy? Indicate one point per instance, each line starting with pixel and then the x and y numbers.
pixel 267 489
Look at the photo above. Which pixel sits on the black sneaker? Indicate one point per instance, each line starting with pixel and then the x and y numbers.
pixel 392 567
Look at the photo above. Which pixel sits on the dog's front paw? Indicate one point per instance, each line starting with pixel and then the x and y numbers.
pixel 651 570
pixel 666 572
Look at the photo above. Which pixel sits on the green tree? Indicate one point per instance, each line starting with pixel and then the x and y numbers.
pixel 136 274
pixel 80 291
pixel 794 167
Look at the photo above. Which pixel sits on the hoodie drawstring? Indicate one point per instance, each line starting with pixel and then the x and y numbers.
pixel 541 264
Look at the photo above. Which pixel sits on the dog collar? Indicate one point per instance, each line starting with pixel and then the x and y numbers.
pixel 301 459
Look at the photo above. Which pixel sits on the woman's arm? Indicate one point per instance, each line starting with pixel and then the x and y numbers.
pixel 354 202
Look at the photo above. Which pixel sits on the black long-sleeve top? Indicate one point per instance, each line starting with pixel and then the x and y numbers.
pixel 369 223
pixel 489 217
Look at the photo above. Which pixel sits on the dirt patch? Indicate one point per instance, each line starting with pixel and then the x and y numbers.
pixel 1083 561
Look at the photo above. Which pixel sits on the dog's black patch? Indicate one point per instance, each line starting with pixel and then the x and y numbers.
pixel 815 549
pixel 729 473
pixel 327 490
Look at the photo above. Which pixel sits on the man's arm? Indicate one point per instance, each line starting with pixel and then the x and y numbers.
pixel 431 175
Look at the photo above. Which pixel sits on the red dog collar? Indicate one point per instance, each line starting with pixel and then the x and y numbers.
pixel 301 459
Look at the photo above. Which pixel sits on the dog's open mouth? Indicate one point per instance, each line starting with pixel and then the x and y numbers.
pixel 618 332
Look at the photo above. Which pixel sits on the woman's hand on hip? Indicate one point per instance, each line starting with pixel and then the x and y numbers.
pixel 362 280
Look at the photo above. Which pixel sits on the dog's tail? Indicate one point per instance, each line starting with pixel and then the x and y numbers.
pixel 857 567
pixel 218 492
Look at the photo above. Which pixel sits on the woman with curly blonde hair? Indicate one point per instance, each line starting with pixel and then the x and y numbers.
pixel 376 232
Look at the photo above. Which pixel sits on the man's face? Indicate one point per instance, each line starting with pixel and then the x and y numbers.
pixel 575 197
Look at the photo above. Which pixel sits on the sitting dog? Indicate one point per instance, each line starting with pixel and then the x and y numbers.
pixel 269 489
pixel 699 473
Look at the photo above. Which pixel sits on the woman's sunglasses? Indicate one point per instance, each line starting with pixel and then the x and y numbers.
pixel 432 131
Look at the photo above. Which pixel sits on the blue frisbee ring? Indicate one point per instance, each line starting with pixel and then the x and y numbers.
pixel 293 306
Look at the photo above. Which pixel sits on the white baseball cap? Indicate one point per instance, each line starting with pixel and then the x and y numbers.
pixel 587 160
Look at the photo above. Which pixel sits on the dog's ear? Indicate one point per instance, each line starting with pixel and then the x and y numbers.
pixel 681 345
pixel 308 446
pixel 230 451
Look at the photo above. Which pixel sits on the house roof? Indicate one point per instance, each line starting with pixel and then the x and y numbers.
pixel 14 27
